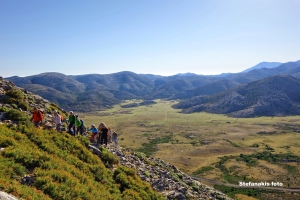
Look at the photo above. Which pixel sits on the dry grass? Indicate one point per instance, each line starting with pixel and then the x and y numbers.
pixel 199 139
pixel 244 197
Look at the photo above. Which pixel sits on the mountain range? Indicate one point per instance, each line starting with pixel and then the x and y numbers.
pixel 196 92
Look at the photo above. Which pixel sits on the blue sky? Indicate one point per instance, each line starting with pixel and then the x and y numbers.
pixel 162 37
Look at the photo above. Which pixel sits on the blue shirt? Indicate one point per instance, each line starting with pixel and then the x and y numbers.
pixel 94 130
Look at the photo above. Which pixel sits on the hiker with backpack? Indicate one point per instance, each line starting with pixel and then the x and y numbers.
pixel 71 127
pixel 83 129
pixel 37 117
pixel 79 125
pixel 57 120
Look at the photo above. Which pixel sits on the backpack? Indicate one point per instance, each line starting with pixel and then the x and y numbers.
pixel 114 135
pixel 40 115
pixel 82 122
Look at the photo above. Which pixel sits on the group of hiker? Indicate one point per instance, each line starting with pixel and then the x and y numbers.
pixel 102 134
pixel 76 125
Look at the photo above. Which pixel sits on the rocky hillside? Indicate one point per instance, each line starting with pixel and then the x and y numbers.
pixel 274 96
pixel 16 104
pixel 45 164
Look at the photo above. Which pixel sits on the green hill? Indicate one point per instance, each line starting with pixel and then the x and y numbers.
pixel 62 168
pixel 45 164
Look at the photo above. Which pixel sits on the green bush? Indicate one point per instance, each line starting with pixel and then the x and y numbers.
pixel 140 155
pixel 203 169
pixel 16 115
pixel 14 93
pixel 3 109
pixel 23 105
pixel 255 145
pixel 108 157
pixel 14 106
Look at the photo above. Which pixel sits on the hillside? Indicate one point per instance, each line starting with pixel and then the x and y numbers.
pixel 45 164
pixel 41 164
pixel 92 92
pixel 274 96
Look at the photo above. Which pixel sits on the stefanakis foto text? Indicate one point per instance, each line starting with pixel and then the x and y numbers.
pixel 260 184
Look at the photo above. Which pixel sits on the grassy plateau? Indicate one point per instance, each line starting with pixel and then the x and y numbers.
pixel 211 146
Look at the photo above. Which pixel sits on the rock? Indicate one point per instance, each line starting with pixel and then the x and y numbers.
pixel 28 180
pixel 6 196
pixel 95 150
pixel 48 125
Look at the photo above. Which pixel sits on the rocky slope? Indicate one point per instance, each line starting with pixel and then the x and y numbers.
pixel 165 177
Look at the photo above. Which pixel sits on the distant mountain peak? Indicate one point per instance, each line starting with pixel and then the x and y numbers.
pixel 186 74
pixel 263 65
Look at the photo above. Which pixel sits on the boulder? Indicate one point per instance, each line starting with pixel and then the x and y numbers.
pixel 6 196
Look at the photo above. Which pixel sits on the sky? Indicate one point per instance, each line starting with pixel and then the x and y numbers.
pixel 162 37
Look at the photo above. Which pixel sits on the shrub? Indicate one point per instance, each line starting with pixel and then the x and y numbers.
pixel 140 155
pixel 3 109
pixel 16 115
pixel 14 105
pixel 108 157
pixel 255 145
pixel 6 141
pixel 83 140
pixel 16 94
pixel 203 169
pixel 23 105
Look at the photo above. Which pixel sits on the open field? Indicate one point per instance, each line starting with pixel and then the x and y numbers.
pixel 194 141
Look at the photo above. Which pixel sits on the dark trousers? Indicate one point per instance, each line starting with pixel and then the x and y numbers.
pixel 71 129
pixel 103 138
pixel 80 129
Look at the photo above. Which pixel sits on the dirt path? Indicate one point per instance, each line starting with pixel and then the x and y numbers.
pixel 214 182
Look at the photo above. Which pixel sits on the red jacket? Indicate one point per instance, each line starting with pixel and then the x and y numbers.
pixel 37 116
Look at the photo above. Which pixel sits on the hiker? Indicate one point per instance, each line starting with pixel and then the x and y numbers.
pixel 37 117
pixel 71 127
pixel 78 124
pixel 83 129
pixel 57 120
pixel 103 130
pixel 109 133
pixel 61 117
pixel 94 133
pixel 115 139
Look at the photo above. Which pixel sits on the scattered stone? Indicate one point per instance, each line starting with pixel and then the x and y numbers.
pixel 164 177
